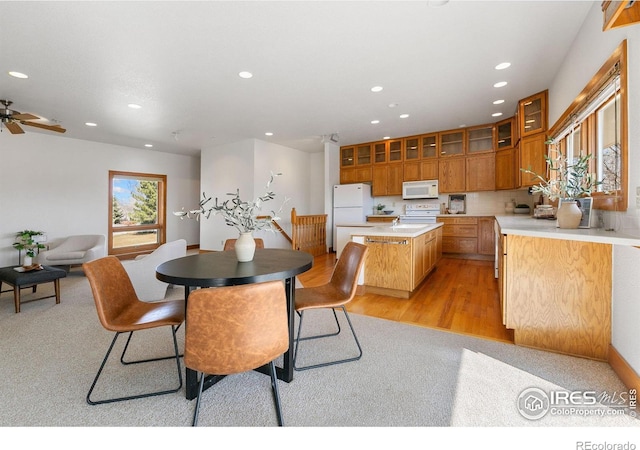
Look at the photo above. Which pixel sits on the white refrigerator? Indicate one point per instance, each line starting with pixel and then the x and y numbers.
pixel 351 205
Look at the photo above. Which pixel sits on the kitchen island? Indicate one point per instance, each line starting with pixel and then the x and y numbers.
pixel 400 257
pixel 556 284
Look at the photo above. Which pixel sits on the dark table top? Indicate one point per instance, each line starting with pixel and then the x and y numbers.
pixel 223 269
pixel 48 273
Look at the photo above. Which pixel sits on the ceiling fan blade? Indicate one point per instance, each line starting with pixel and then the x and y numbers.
pixel 14 128
pixel 56 128
pixel 25 116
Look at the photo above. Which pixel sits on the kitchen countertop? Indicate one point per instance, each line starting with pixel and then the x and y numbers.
pixel 402 230
pixel 528 226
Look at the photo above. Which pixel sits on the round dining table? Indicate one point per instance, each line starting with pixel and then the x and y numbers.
pixel 215 269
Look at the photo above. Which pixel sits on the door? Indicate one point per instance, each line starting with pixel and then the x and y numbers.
pixel 348 195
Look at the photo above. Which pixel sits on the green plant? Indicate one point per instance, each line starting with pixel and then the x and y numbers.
pixel 380 207
pixel 568 179
pixel 25 241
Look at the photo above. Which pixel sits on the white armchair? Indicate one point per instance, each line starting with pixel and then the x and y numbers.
pixel 75 250
pixel 142 270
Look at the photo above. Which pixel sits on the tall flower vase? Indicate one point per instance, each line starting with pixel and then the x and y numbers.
pixel 245 247
pixel 569 215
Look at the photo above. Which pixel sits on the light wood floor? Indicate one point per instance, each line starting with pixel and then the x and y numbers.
pixel 461 296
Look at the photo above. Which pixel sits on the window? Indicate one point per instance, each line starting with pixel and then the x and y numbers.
pixel 137 215
pixel 596 124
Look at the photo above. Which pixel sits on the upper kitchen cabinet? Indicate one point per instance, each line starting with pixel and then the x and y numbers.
pixel 532 114
pixel 532 152
pixel 452 143
pixel 480 139
pixel 412 160
pixel 620 13
pixel 385 152
pixel 505 134
pixel 429 156
pixel 355 164
pixel 387 171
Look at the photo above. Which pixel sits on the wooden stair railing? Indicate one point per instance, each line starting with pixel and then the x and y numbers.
pixel 309 233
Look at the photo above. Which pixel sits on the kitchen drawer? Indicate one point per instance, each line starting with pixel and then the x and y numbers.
pixel 458 220
pixel 452 244
pixel 460 230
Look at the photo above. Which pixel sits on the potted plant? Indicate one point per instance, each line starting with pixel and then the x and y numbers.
pixel 28 241
pixel 569 180
pixel 241 215
pixel 380 208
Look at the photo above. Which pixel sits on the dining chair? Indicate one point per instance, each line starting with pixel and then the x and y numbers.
pixel 339 291
pixel 235 329
pixel 230 244
pixel 121 311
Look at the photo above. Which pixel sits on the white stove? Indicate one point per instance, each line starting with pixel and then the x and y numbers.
pixel 420 213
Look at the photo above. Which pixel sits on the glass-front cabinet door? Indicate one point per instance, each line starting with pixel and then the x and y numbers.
pixel 395 151
pixel 452 143
pixel 347 157
pixel 533 114
pixel 412 148
pixel 504 134
pixel 363 154
pixel 429 146
pixel 380 152
pixel 480 139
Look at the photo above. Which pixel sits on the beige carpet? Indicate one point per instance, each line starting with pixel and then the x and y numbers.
pixel 408 377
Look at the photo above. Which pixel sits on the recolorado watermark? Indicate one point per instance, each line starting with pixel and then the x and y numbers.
pixel 588 445
pixel 534 403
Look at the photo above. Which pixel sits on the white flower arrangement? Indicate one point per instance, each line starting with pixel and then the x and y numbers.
pixel 238 213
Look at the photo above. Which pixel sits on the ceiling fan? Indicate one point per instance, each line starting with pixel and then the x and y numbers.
pixel 13 119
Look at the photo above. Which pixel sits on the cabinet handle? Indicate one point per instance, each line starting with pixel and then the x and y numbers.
pixel 373 241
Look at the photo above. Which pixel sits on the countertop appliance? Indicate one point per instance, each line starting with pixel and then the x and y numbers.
pixel 420 213
pixel 419 189
pixel 351 204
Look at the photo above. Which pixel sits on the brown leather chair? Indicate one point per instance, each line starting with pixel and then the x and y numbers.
pixel 120 310
pixel 230 244
pixel 339 291
pixel 235 329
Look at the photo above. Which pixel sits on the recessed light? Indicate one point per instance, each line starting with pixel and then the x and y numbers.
pixel 498 102
pixel 375 121
pixel 404 116
pixel 498 114
pixel 386 137
pixel 376 89
pixel 18 74
pixel 148 145
pixel 134 106
pixel 268 133
pixel 91 124
pixel 500 84
pixel 392 105
pixel 245 75
pixel 503 65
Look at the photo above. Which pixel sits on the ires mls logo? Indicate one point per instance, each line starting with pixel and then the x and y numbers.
pixel 534 403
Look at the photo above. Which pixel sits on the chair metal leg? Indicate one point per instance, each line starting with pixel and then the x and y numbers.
pixel 314 366
pixel 126 346
pixel 276 394
pixel 151 394
pixel 196 412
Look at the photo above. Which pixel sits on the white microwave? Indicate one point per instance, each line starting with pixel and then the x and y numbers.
pixel 420 189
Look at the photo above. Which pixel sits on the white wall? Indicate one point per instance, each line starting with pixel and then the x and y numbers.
pixel 247 165
pixel 61 186
pixel 590 50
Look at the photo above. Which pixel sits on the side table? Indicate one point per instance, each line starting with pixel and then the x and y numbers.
pixel 20 280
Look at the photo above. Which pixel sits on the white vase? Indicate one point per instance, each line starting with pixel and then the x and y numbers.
pixel 27 261
pixel 245 247
pixel 569 215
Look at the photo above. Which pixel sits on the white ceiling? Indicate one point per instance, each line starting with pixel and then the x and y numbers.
pixel 314 63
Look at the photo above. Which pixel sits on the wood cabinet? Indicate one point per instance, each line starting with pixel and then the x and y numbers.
pixel 619 14
pixel 470 236
pixel 532 114
pixel 355 164
pixel 396 266
pixel 480 172
pixel 505 169
pixel 505 136
pixel 382 219
pixel 451 173
pixel 556 294
pixel 452 143
pixel 480 139
pixel 532 151
pixel 387 180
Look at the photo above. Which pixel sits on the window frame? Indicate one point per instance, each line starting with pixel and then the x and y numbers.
pixel 159 227
pixel 616 65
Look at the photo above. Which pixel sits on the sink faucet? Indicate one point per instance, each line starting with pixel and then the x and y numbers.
pixel 395 222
